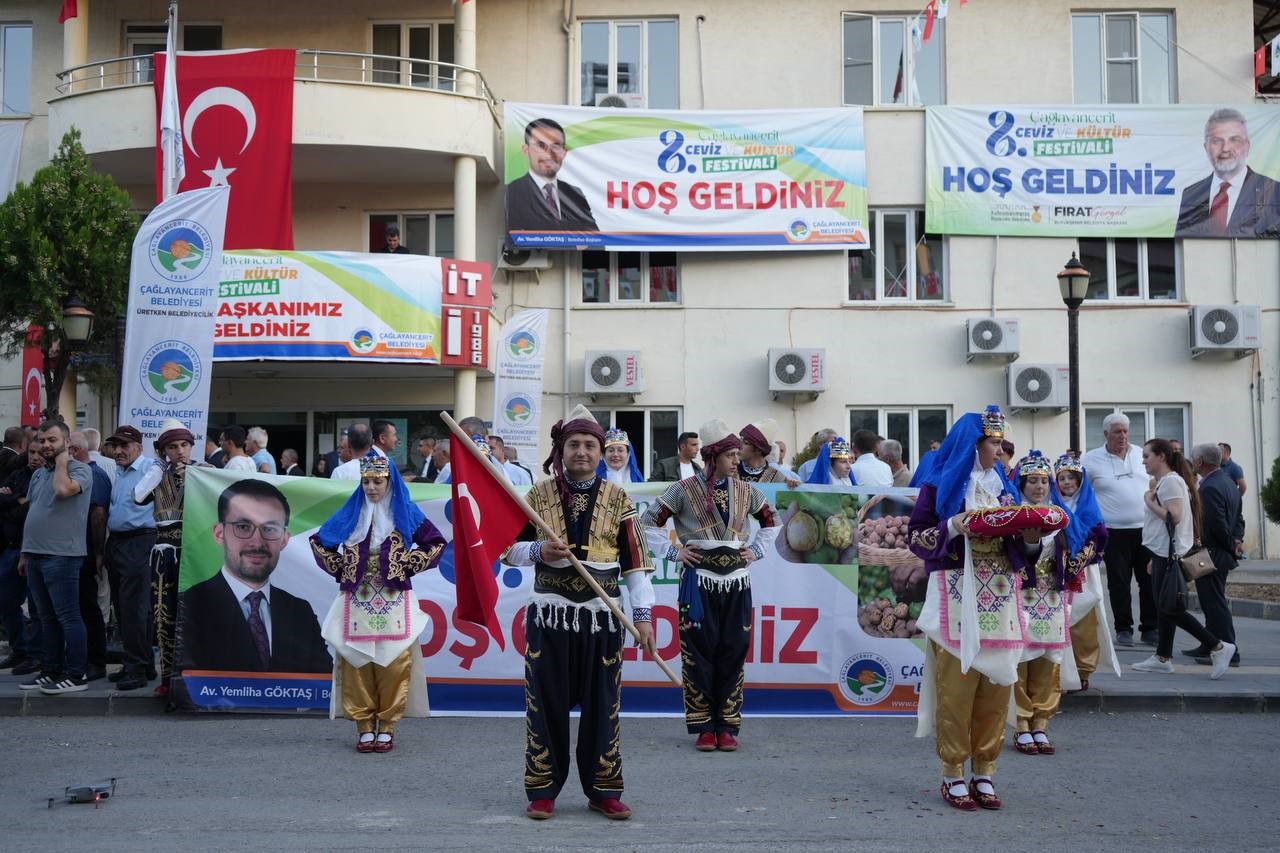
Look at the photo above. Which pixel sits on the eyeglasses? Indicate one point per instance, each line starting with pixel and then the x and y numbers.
pixel 245 530
pixel 544 147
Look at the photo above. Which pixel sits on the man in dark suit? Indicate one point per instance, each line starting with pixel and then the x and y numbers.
pixel 236 620
pixel 1234 201
pixel 13 453
pixel 669 470
pixel 1222 530
pixel 537 201
pixel 289 464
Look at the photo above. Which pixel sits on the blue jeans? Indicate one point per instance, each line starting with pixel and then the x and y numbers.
pixel 13 591
pixel 55 583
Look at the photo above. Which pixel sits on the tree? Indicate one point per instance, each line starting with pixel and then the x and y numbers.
pixel 1271 494
pixel 68 234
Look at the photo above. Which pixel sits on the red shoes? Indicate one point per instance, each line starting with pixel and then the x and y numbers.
pixel 387 745
pixel 1028 748
pixel 726 742
pixel 963 802
pixel 987 801
pixel 711 741
pixel 363 745
pixel 706 742
pixel 540 809
pixel 612 809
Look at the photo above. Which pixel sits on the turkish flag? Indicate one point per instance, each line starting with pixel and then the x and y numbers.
pixel 486 520
pixel 32 378
pixel 237 128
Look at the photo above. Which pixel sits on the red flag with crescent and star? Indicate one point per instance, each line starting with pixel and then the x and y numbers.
pixel 236 109
pixel 486 520
pixel 32 378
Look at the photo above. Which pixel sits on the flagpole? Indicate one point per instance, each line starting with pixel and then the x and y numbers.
pixel 539 523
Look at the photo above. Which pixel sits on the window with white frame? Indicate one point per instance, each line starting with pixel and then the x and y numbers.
pixel 428 42
pixel 904 264
pixel 1167 421
pixel 915 427
pixel 143 41
pixel 1131 268
pixel 630 277
pixel 1123 58
pixel 15 69
pixel 422 233
pixel 653 432
pixel 630 63
pixel 885 64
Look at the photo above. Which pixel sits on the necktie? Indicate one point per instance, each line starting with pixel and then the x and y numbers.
pixel 257 628
pixel 549 193
pixel 1218 210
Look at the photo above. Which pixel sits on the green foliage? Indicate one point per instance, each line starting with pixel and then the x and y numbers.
pixel 804 454
pixel 68 233
pixel 1271 493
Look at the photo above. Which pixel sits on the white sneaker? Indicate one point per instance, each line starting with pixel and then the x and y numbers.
pixel 1221 660
pixel 1154 664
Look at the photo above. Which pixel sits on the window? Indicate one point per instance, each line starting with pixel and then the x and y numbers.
pixel 653 432
pixel 630 277
pixel 904 264
pixel 1129 268
pixel 15 69
pixel 141 41
pixel 637 62
pixel 884 64
pixel 430 42
pixel 1145 422
pixel 420 233
pixel 914 426
pixel 1123 58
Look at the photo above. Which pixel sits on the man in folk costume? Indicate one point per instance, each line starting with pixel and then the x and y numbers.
pixel 573 644
pixel 1091 637
pixel 975 638
pixel 757 444
pixel 618 465
pixel 834 465
pixel 162 485
pixel 712 512
pixel 373 546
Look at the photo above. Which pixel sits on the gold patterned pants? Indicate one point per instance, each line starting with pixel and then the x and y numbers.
pixel 1037 694
pixel 1084 643
pixel 970 718
pixel 375 697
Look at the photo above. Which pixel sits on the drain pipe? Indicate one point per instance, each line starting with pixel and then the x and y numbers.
pixel 568 24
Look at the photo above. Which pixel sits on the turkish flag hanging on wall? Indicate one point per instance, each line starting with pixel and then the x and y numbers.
pixel 32 378
pixel 236 108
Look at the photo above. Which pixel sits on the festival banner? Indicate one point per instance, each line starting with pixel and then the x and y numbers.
pixel 685 180
pixel 321 306
pixel 831 635
pixel 173 294
pixel 517 381
pixel 1103 171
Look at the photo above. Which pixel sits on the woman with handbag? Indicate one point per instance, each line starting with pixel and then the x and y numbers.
pixel 1170 530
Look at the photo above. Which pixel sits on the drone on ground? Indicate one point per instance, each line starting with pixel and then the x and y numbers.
pixel 87 793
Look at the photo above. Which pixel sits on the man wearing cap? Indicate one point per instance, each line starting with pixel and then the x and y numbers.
pixel 757 443
pixel 162 487
pixel 573 644
pixel 712 512
pixel 131 534
pixel 393 245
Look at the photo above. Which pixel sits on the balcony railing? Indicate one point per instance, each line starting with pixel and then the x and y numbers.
pixel 327 66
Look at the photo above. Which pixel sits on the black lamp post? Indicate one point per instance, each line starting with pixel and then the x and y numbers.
pixel 1073 282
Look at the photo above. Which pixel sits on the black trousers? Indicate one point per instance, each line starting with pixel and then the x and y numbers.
pixel 1212 592
pixel 713 657
pixel 1169 622
pixel 95 627
pixel 572 661
pixel 1127 559
pixel 164 580
pixel 128 557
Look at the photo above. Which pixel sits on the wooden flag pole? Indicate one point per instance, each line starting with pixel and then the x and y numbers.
pixel 541 525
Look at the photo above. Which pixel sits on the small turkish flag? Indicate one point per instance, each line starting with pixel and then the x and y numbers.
pixel 236 109
pixel 486 520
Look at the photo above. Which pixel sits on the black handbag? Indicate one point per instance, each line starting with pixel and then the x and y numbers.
pixel 1171 586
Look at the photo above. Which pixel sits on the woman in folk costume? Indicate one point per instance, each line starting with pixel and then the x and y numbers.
pixel 618 465
pixel 971 614
pixel 1087 537
pixel 373 546
pixel 834 465
pixel 1045 605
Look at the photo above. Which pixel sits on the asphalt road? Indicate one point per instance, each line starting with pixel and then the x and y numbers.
pixel 1187 781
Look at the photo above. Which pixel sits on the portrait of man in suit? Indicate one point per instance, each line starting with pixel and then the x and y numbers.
pixel 538 201
pixel 237 620
pixel 1234 200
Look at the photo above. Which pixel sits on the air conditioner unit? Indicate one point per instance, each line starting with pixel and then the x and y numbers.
pixel 1037 387
pixel 991 338
pixel 620 100
pixel 512 258
pixel 613 372
pixel 797 371
pixel 1236 329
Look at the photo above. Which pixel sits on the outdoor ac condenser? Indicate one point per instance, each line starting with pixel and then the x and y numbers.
pixel 992 338
pixel 1037 387
pixel 1235 329
pixel 613 372
pixel 797 371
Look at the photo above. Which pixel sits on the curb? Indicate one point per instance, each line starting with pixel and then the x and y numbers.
pixel 1245 608
pixel 1251 702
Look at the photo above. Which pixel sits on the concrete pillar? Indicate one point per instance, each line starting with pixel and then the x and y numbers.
pixel 75 39
pixel 464 190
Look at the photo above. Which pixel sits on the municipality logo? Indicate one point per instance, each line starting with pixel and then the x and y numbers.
pixel 523 345
pixel 362 340
pixel 517 409
pixel 170 372
pixel 866 679
pixel 180 250
pixel 799 229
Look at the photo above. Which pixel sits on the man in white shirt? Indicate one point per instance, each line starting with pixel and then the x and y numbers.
pixel 360 440
pixel 867 469
pixel 94 440
pixel 441 457
pixel 517 474
pixel 233 451
pixel 1119 481
pixel 385 440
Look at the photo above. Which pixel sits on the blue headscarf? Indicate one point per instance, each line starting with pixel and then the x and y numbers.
pixel 404 512
pixel 922 470
pixel 1086 516
pixel 602 470
pixel 953 465
pixel 821 473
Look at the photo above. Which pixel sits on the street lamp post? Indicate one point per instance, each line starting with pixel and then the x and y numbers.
pixel 1073 282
